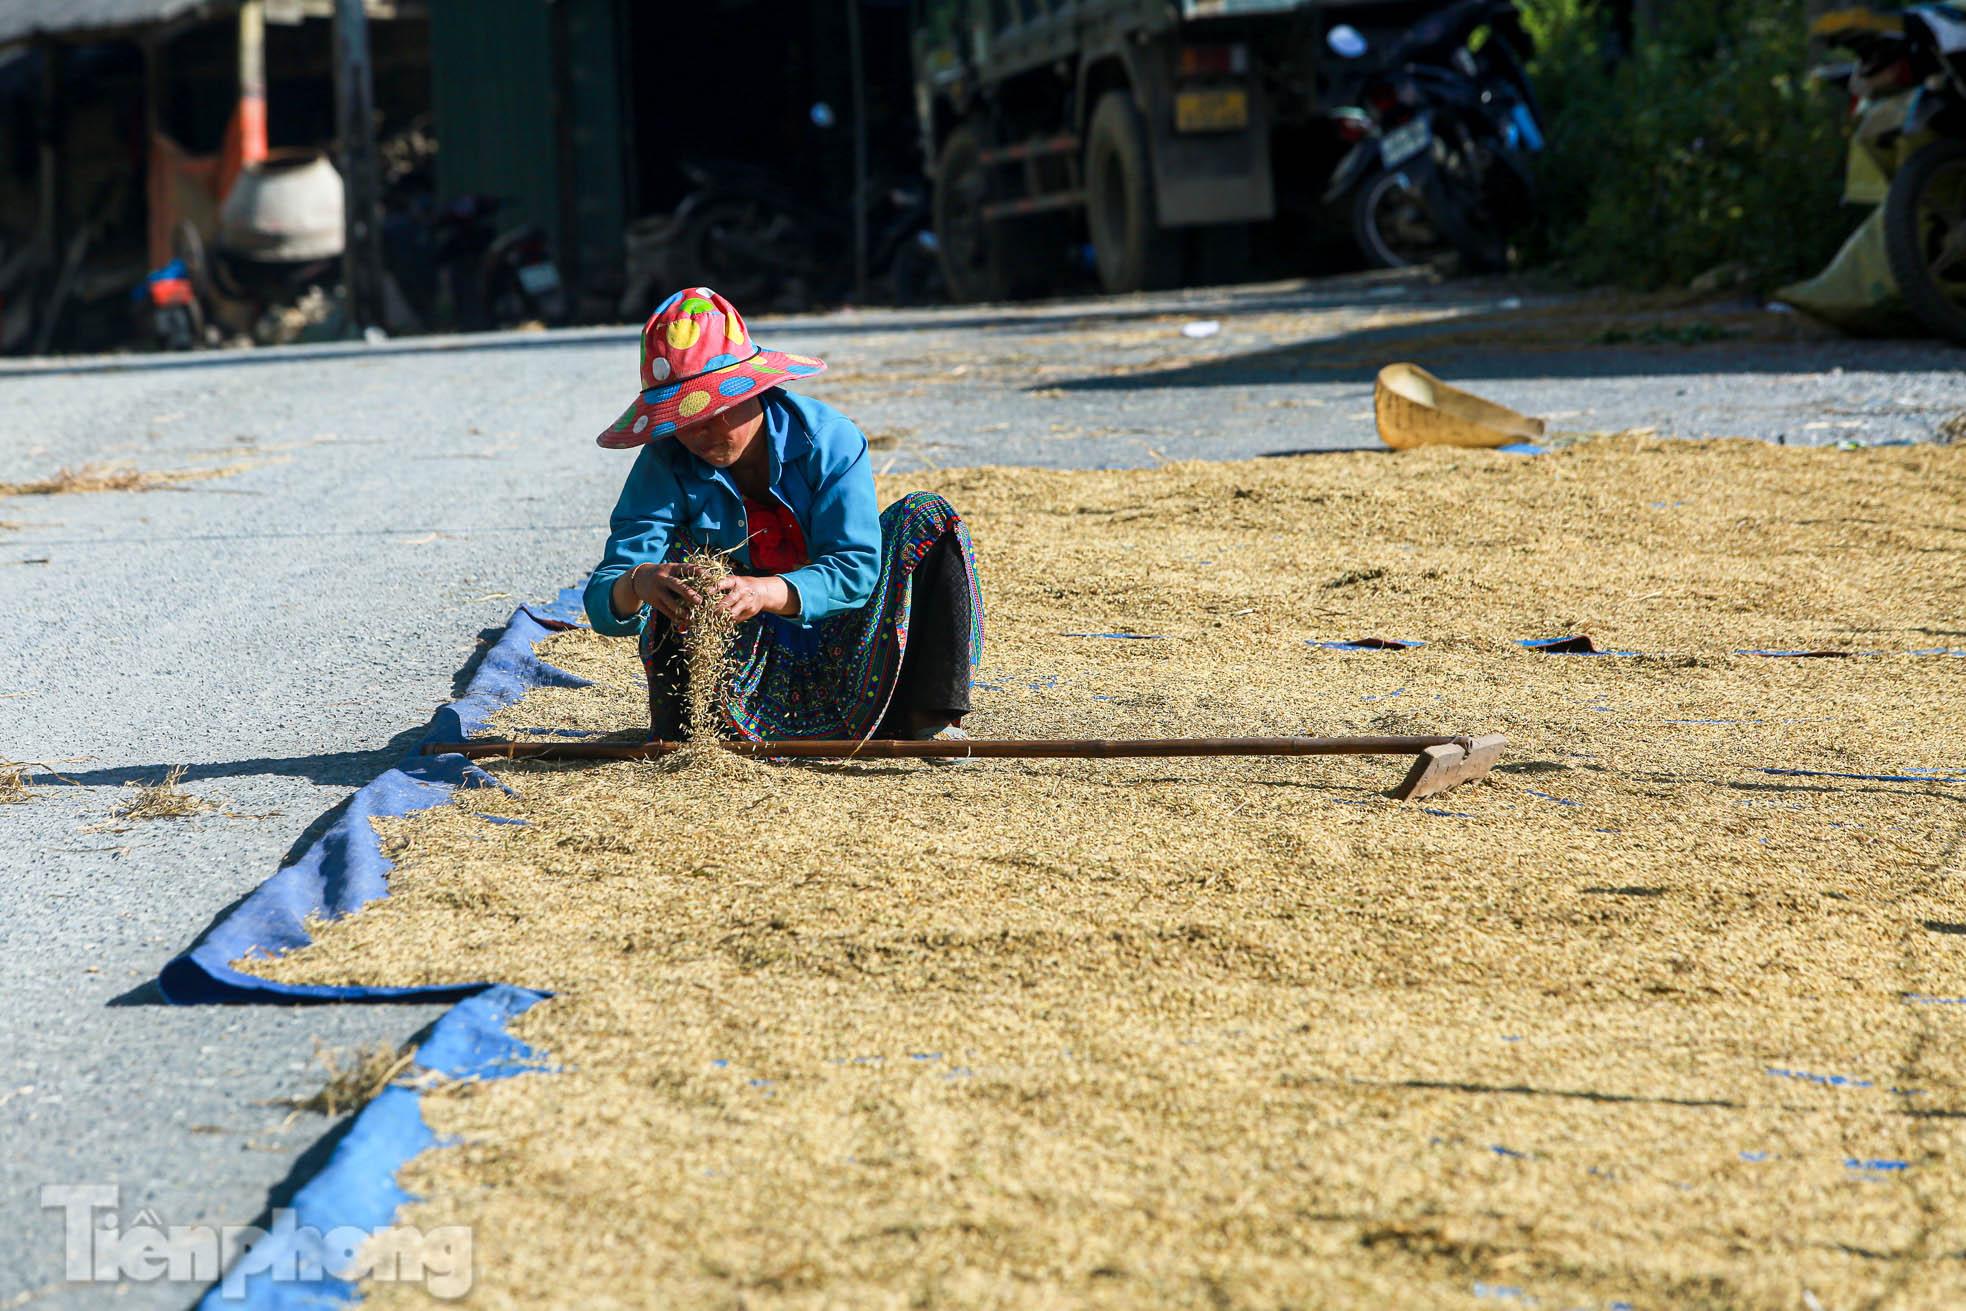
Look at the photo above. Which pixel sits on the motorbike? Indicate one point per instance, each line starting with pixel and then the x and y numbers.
pixel 1444 134
pixel 760 241
pixel 740 230
pixel 1925 208
pixel 494 279
pixel 167 309
pixel 1386 209
pixel 522 283
pixel 450 263
pixel 753 239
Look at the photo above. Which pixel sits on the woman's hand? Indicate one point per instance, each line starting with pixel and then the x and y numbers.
pixel 745 598
pixel 662 587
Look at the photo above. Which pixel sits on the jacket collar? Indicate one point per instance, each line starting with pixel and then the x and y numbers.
pixel 785 433
pixel 790 437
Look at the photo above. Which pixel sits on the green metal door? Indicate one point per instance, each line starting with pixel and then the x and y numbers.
pixel 527 98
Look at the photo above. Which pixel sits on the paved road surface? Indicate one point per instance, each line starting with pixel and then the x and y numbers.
pixel 284 630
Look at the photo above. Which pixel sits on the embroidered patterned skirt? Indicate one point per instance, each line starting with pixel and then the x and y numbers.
pixel 837 679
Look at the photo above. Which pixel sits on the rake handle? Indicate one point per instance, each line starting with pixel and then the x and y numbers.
pixel 1070 748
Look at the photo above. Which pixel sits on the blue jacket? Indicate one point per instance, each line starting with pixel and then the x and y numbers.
pixel 819 470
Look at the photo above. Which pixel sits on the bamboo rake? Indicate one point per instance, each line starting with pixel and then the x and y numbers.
pixel 1439 762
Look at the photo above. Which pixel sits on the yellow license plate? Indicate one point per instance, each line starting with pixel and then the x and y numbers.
pixel 1211 111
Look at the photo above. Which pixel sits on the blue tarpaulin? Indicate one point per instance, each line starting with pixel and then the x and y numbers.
pixel 1367 644
pixel 344 869
pixel 1580 644
pixel 302 1261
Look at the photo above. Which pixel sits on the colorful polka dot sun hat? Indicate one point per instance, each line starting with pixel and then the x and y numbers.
pixel 698 359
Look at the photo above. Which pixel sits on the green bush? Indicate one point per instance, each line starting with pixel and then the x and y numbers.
pixel 1703 146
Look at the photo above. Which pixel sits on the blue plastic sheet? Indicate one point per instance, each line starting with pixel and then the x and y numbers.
pixel 1847 655
pixel 1909 776
pixel 1367 644
pixel 1577 644
pixel 344 869
pixel 566 610
pixel 295 1264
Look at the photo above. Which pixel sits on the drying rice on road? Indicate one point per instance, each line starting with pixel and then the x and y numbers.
pixel 1635 1020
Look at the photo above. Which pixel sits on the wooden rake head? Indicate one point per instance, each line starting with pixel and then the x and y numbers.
pixel 1439 768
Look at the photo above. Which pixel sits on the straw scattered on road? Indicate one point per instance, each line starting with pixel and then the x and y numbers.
pixel 113 478
pixel 13 784
pixel 352 1077
pixel 164 799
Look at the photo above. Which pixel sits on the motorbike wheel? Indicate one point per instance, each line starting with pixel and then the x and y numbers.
pixel 1134 252
pixel 1925 236
pixel 1392 224
pixel 1465 210
pixel 747 248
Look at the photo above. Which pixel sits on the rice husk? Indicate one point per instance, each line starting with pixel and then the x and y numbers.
pixel 1633 1020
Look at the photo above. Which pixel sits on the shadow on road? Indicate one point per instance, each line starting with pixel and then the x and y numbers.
pixel 1328 293
pixel 334 768
pixel 1539 344
pixel 1560 336
pixel 330 768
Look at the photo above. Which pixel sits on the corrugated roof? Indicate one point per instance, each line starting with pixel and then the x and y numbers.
pixel 21 20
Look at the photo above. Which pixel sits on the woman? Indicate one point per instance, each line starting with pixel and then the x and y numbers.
pixel 851 620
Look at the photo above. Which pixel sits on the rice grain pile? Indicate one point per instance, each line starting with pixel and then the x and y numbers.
pixel 1664 1013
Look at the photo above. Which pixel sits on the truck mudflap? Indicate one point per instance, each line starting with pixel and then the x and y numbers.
pixel 1213 172
pixel 1213 179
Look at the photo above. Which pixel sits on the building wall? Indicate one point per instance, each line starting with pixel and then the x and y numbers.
pixel 598 138
pixel 527 105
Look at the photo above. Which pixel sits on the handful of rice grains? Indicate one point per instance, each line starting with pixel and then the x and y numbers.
pixel 706 646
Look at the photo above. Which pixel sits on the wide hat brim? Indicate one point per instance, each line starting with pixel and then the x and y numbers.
pixel 661 411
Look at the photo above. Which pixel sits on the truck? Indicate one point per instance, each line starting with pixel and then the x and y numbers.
pixel 1160 130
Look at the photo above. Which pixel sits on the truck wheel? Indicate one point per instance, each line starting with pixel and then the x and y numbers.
pixel 986 259
pixel 974 262
pixel 1925 236
pixel 1134 252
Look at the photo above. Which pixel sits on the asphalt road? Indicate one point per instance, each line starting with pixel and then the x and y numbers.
pixel 285 629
